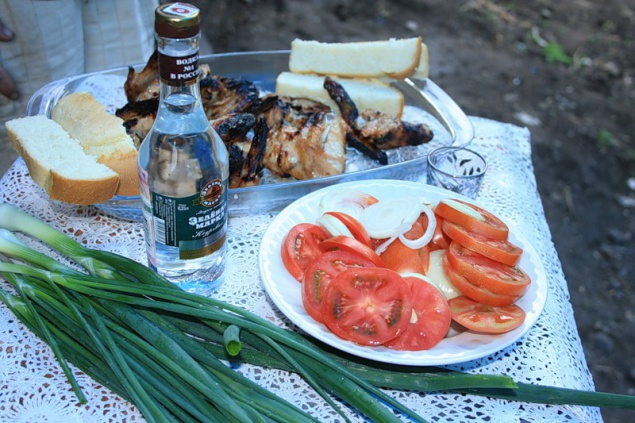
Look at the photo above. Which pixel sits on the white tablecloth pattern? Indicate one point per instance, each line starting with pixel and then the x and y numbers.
pixel 33 388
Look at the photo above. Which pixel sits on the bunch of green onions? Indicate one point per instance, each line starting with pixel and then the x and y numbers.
pixel 167 351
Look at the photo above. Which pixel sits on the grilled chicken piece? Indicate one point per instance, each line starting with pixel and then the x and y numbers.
pixel 306 139
pixel 138 117
pixel 234 130
pixel 143 85
pixel 375 130
pixel 251 170
pixel 222 96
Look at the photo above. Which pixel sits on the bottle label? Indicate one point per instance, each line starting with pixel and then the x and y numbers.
pixel 196 224
pixel 178 71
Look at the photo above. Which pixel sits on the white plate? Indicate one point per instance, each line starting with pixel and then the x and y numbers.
pixel 285 291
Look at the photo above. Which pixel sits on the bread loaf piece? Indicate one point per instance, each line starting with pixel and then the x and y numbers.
pixel 366 94
pixel 423 68
pixel 393 58
pixel 102 135
pixel 58 163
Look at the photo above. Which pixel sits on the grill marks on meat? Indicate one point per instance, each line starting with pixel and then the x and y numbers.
pixel 373 131
pixel 306 139
pixel 138 117
pixel 289 136
pixel 143 85
pixel 222 96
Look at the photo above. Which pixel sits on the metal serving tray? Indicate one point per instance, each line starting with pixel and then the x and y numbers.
pixel 425 102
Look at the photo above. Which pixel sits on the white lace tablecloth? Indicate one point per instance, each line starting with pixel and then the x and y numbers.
pixel 34 389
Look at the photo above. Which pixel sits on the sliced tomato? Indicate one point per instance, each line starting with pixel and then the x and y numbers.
pixel 356 229
pixel 489 274
pixel 403 259
pixel 300 247
pixel 440 241
pixel 346 243
pixel 483 318
pixel 369 306
pixel 472 291
pixel 430 320
pixel 473 218
pixel 321 272
pixel 502 251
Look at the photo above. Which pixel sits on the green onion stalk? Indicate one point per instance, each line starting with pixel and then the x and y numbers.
pixel 167 350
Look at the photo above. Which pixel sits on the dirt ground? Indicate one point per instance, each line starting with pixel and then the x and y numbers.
pixel 563 69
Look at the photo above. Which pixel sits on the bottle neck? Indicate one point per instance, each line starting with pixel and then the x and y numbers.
pixel 178 66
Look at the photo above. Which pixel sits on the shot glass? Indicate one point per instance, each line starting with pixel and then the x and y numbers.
pixel 456 169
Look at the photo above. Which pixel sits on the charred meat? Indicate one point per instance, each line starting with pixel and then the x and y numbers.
pixel 222 96
pixel 143 85
pixel 373 129
pixel 138 117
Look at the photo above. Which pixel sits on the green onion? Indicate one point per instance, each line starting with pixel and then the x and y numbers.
pixel 231 337
pixel 165 349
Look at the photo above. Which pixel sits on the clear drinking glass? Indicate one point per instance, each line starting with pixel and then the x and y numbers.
pixel 457 169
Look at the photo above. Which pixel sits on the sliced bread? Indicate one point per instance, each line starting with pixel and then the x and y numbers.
pixel 423 68
pixel 58 163
pixel 393 58
pixel 365 93
pixel 102 135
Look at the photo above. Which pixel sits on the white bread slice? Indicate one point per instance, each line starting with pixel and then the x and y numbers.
pixel 102 135
pixel 365 93
pixel 423 68
pixel 393 58
pixel 58 163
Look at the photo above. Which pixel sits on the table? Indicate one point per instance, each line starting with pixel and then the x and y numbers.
pixel 34 387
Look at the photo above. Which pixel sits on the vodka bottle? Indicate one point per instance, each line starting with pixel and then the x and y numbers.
pixel 183 164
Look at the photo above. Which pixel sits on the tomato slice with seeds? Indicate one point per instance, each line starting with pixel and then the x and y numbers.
pixel 368 306
pixel 430 320
pixel 403 259
pixel 357 229
pixel 483 318
pixel 473 218
pixel 473 291
pixel 352 245
pixel 321 272
pixel 502 251
pixel 300 247
pixel 486 273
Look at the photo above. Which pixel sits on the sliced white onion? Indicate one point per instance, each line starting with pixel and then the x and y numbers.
pixel 400 231
pixel 345 200
pixel 463 208
pixel 421 242
pixel 383 219
pixel 333 226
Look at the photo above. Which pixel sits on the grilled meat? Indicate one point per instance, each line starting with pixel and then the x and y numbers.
pixel 234 131
pixel 143 85
pixel 373 129
pixel 138 117
pixel 306 139
pixel 290 137
pixel 222 96
pixel 251 169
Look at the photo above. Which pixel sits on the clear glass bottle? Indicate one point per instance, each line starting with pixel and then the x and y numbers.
pixel 183 164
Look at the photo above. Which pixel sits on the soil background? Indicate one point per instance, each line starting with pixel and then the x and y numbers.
pixel 565 70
